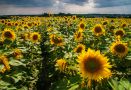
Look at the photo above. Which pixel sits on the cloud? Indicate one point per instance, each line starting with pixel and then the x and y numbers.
pixel 10 7
pixel 28 3
pixel 111 3
pixel 77 2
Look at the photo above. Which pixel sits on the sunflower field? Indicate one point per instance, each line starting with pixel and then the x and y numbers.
pixel 65 53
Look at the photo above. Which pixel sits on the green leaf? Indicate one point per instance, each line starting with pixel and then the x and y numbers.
pixel 16 63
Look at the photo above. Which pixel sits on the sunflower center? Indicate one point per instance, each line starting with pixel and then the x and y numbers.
pixel 120 48
pixel 79 49
pixel 35 37
pixel 82 26
pixel 8 34
pixel 119 33
pixel 123 25
pixel 92 65
pixel 98 29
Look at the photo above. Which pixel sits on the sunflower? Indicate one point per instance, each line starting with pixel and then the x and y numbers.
pixel 82 25
pixel 61 64
pixel 16 23
pixel 80 48
pixel 78 35
pixel 56 40
pixel 74 17
pixel 98 30
pixel 17 53
pixel 120 33
pixel 4 60
pixel 8 34
pixel 105 22
pixel 94 66
pixel 35 37
pixel 119 48
pixel 9 24
pixel 123 25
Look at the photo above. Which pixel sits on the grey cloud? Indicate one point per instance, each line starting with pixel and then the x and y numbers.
pixel 111 3
pixel 77 2
pixel 28 3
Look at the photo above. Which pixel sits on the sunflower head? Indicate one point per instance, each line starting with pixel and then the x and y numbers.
pixel 74 17
pixel 98 30
pixel 80 48
pixel 105 23
pixel 78 35
pixel 8 34
pixel 17 53
pixel 94 65
pixel 124 25
pixel 120 33
pixel 82 25
pixel 61 64
pixel 57 40
pixel 4 61
pixel 35 37
pixel 118 48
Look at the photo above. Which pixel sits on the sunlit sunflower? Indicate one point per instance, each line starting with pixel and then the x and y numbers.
pixel 8 34
pixel 26 36
pixel 9 24
pixel 80 48
pixel 123 25
pixel 61 64
pixel 16 23
pixel 119 48
pixel 105 22
pixel 2 21
pixel 82 25
pixel 4 61
pixel 120 33
pixel 57 40
pixel 94 66
pixel 17 53
pixel 25 26
pixel 78 35
pixel 35 37
pixel 98 30
pixel 30 24
pixel 74 17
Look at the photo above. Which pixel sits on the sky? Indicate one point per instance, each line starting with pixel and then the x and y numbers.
pixel 16 7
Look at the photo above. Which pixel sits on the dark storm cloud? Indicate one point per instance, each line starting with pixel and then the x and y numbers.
pixel 28 3
pixel 111 3
pixel 77 2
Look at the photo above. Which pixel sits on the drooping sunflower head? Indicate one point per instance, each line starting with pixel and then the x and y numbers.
pixel 4 61
pixel 78 35
pixel 61 64
pixel 98 30
pixel 17 53
pixel 8 34
pixel 82 25
pixel 57 40
pixel 94 65
pixel 120 33
pixel 35 37
pixel 118 48
pixel 80 48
